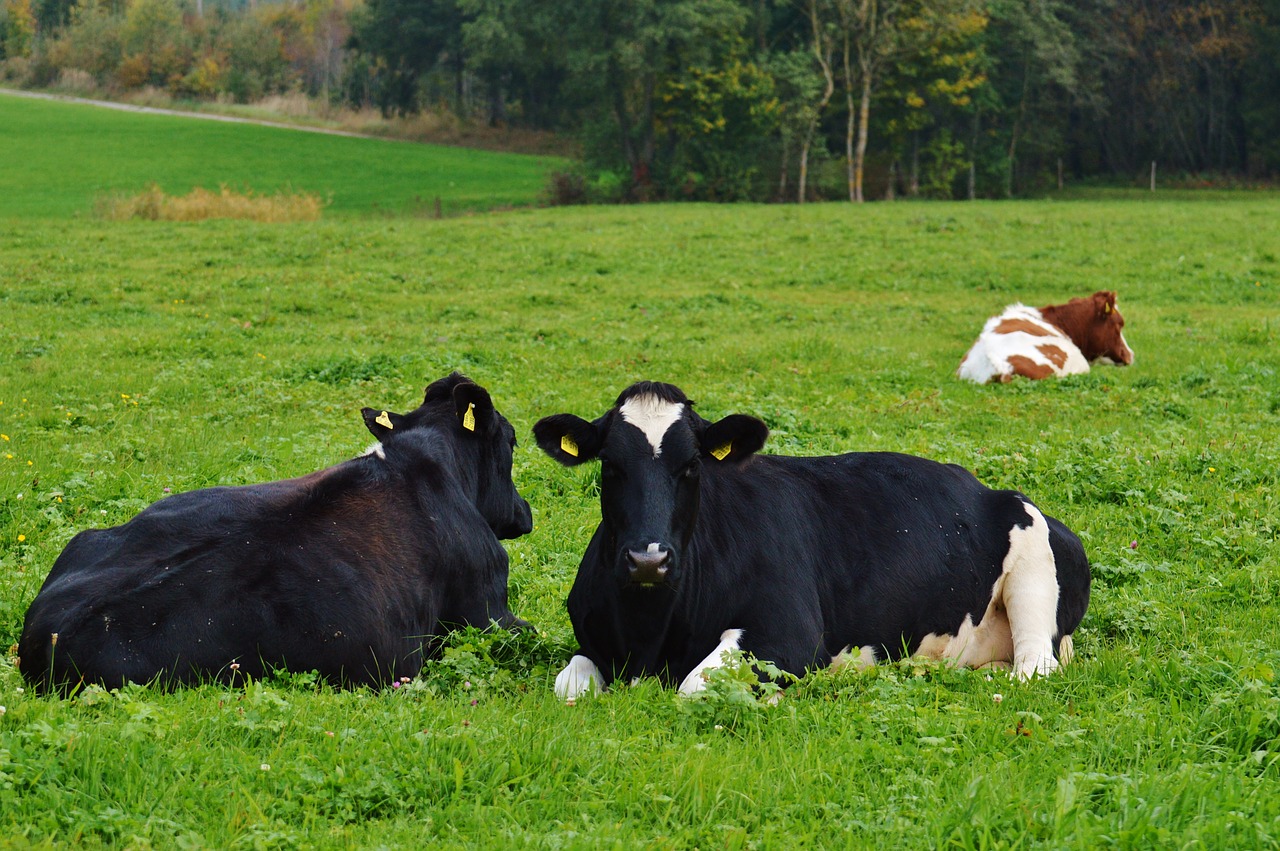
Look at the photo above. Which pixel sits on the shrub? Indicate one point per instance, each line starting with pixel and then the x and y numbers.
pixel 134 71
pixel 566 187
pixel 17 29
pixel 91 42
pixel 736 693
pixel 202 81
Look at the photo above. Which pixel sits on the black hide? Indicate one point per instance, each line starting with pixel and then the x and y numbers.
pixel 807 556
pixel 348 571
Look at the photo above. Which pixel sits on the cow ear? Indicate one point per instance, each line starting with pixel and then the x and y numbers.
pixel 1105 302
pixel 473 406
pixel 734 438
pixel 381 423
pixel 568 439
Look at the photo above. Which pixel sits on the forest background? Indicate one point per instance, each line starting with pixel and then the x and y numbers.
pixel 725 99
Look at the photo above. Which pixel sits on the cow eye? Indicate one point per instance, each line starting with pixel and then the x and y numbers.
pixel 690 470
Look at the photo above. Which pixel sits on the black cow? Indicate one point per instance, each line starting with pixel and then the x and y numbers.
pixel 704 546
pixel 348 571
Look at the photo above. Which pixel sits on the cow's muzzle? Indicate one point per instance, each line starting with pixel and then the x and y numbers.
pixel 649 567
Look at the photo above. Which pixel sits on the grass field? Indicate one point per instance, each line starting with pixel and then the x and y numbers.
pixel 60 157
pixel 137 357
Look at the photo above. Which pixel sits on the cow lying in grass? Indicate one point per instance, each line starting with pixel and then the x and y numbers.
pixel 348 571
pixel 704 546
pixel 1059 339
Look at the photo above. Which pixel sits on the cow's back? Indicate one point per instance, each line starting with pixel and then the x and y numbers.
pixel 253 576
pixel 1021 342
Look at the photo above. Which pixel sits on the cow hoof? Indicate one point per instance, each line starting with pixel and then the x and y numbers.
pixel 1025 669
pixel 862 660
pixel 578 677
pixel 1066 650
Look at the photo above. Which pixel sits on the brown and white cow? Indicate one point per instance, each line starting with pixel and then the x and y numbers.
pixel 1061 339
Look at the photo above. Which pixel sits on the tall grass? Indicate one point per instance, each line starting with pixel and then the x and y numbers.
pixel 199 204
pixel 138 356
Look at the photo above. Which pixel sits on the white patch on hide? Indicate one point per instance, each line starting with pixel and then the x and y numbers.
pixel 652 416
pixel 1022 616
pixel 375 449
pixel 1031 597
pixel 991 641
pixel 988 359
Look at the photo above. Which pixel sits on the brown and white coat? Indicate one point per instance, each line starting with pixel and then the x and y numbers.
pixel 1053 340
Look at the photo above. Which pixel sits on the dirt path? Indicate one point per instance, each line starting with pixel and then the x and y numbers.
pixel 153 110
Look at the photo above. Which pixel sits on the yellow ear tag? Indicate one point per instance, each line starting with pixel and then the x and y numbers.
pixel 469 418
pixel 722 452
pixel 568 445
pixel 384 420
pixel 1106 308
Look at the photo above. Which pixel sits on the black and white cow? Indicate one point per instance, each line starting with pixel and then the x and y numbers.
pixel 348 571
pixel 704 546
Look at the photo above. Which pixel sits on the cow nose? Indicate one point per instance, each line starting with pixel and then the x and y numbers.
pixel 648 568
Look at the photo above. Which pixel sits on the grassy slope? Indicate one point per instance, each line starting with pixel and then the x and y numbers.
pixel 59 157
pixel 136 357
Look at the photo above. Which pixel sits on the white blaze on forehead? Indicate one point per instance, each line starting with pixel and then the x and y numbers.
pixel 653 416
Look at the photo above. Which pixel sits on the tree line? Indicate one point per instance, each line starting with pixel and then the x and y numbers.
pixel 736 99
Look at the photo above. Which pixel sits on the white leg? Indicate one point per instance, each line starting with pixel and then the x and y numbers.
pixel 1031 597
pixel 696 681
pixel 578 677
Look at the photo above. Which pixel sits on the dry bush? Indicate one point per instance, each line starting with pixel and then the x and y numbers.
pixel 292 104
pixel 441 127
pixel 152 203
pixel 75 81
pixel 150 96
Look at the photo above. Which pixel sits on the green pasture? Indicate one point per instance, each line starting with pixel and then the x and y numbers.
pixel 141 358
pixel 56 158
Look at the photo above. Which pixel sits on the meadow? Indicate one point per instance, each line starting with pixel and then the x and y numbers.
pixel 143 358
pixel 61 157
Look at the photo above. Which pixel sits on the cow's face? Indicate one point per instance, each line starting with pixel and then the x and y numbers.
pixel 481 440
pixel 1095 325
pixel 653 450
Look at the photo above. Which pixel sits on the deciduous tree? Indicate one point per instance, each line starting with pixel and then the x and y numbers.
pixel 620 54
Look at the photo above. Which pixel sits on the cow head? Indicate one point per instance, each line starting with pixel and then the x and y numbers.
pixel 481 440
pixel 653 451
pixel 1095 325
